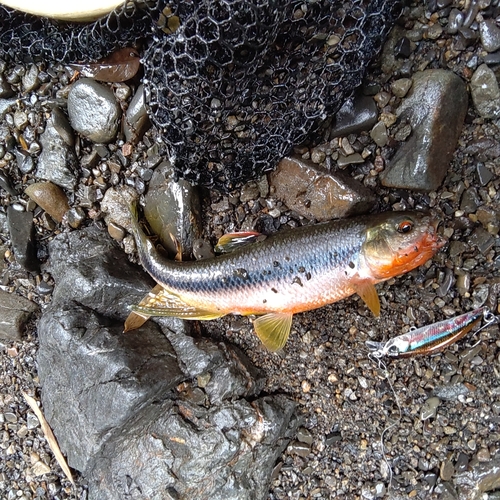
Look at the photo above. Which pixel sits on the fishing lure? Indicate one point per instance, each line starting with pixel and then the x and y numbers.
pixel 431 339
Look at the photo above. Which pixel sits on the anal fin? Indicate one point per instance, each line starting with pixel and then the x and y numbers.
pixel 273 329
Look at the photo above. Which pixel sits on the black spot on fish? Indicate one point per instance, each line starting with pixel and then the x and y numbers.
pixel 308 276
pixel 264 301
pixel 288 259
pixel 352 265
pixel 241 272
pixel 297 280
pixel 302 269
pixel 276 264
pixel 274 290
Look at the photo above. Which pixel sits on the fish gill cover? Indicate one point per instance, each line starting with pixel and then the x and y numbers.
pixel 232 85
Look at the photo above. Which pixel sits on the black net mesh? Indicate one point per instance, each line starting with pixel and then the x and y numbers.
pixel 232 85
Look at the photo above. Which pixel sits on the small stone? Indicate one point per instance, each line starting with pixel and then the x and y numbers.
pixel 300 449
pixel 57 161
pixel 40 468
pixel 485 92
pixel 15 311
pixel 173 209
pixel 429 408
pixel 136 118
pixel 357 114
pixel 304 436
pixel 20 120
pixel 483 455
pixel 116 232
pixel 379 134
pixel 316 193
pixel 446 470
pixel 24 161
pixel 250 191
pixel 22 234
pixel 490 35
pixel 30 79
pixel 62 126
pixel 75 216
pixel 401 87
pixel 93 110
pixel 306 386
pixel 50 198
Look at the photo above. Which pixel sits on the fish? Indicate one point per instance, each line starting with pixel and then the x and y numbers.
pixel 293 271
pixel 431 339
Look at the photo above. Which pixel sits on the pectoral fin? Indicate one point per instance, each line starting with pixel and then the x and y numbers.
pixel 135 320
pixel 273 329
pixel 369 295
pixel 231 241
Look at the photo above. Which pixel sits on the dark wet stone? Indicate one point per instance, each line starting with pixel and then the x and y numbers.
pixel 298 448
pixel 22 236
pixel 61 124
pixel 57 161
pixel 93 110
pixel 197 452
pixel 136 118
pixel 357 114
pixel 490 35
pixel 318 194
pixel 435 108
pixel 15 312
pixel 485 92
pixel 96 263
pixel 483 477
pixel 462 462
pixel 173 208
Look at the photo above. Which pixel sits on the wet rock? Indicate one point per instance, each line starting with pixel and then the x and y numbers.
pixel 485 92
pixel 5 105
pixel 30 79
pixel 22 236
pixel 401 87
pixel 136 118
pixel 93 110
pixel 451 392
pixel 15 312
pixel 61 124
pixel 220 453
pixel 57 161
pixel 435 109
pixel 483 477
pixel 50 198
pixel 173 208
pixel 109 396
pixel 318 194
pixel 6 184
pixel 357 114
pixel 490 35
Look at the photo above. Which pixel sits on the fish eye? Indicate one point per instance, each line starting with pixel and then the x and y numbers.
pixel 405 227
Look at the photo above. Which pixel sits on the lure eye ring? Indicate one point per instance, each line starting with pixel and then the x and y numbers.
pixel 405 226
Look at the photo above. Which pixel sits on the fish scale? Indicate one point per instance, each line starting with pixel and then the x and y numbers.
pixel 290 272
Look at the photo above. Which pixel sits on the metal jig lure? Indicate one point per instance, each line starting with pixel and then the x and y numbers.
pixel 431 339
